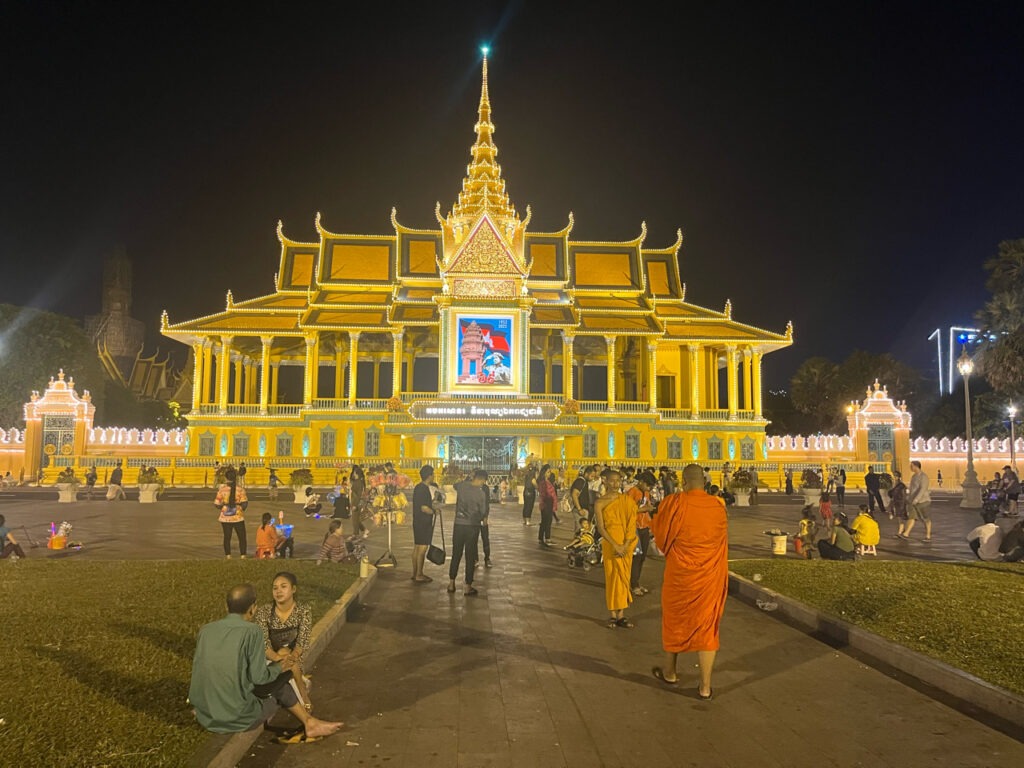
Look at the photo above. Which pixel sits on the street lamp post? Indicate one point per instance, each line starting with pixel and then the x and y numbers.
pixel 1012 411
pixel 971 487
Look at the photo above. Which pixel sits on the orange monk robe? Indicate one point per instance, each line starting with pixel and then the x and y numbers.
pixel 619 518
pixel 692 530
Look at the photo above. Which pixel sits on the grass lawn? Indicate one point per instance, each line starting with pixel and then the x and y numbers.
pixel 968 615
pixel 98 655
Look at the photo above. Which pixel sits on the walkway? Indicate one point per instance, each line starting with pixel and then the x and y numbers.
pixel 525 674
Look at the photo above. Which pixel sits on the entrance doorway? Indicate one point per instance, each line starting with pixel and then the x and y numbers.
pixel 493 454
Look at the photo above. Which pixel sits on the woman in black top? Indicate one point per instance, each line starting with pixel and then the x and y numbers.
pixel 358 482
pixel 529 495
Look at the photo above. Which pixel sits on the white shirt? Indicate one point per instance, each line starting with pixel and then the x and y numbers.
pixel 991 536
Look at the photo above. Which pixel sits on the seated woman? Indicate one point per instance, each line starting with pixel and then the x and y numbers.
pixel 865 529
pixel 839 546
pixel 333 548
pixel 8 544
pixel 270 542
pixel 286 626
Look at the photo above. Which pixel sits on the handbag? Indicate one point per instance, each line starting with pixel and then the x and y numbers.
pixel 437 555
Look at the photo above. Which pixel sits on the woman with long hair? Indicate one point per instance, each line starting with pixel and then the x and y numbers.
pixel 231 501
pixel 529 494
pixel 286 625
pixel 548 499
pixel 357 480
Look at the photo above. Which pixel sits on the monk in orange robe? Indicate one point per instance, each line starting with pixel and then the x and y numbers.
pixel 691 528
pixel 615 514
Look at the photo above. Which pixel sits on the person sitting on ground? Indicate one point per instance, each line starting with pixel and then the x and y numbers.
pixel 8 544
pixel 333 549
pixel 287 625
pixel 270 542
pixel 986 539
pixel 804 543
pixel 233 688
pixel 839 545
pixel 312 506
pixel 1012 547
pixel 865 528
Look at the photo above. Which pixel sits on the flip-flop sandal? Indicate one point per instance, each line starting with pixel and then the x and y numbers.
pixel 298 738
pixel 624 623
pixel 660 675
pixel 702 697
pixel 612 623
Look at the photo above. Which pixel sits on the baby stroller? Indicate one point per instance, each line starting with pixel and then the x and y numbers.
pixel 994 499
pixel 583 551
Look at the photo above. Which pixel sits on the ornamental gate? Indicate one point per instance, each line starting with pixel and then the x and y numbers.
pixel 881 443
pixel 493 454
pixel 58 432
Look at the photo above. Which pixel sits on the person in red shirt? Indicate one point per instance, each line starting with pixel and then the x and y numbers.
pixel 641 494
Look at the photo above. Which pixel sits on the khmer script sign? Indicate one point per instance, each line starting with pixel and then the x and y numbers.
pixel 487 410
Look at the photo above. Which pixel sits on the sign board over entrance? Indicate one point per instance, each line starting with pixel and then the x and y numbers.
pixel 486 410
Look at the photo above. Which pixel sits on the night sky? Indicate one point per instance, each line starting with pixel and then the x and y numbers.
pixel 849 169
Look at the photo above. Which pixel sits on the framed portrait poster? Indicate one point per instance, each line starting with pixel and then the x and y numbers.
pixel 484 351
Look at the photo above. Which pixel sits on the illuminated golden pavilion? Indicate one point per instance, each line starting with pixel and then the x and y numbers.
pixel 478 342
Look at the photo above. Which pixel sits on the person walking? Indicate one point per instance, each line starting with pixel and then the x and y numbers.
pixel 615 514
pixel 641 495
pixel 357 479
pixel 873 485
pixel 529 494
pixel 919 502
pixel 898 505
pixel 753 484
pixel 548 500
pixel 692 529
pixel 232 501
pixel 90 482
pixel 470 514
pixel 114 488
pixel 272 483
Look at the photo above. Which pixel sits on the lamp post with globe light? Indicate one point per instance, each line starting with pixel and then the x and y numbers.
pixel 971 487
pixel 1012 412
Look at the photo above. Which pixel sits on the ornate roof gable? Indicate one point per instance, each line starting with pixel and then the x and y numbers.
pixel 485 252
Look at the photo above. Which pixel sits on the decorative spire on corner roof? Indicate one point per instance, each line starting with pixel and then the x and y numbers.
pixel 483 189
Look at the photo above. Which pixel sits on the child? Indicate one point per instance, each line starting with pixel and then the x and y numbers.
pixel 826 509
pixel 272 484
pixel 312 506
pixel 804 542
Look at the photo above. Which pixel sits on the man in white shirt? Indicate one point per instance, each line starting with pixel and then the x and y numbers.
pixel 985 539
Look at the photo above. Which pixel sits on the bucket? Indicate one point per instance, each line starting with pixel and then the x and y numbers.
pixel 57 542
pixel 285 530
pixel 779 544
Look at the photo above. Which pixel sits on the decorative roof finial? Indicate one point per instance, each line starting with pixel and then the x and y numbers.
pixel 230 299
pixel 728 308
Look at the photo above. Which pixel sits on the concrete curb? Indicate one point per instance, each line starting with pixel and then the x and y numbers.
pixel 990 699
pixel 226 750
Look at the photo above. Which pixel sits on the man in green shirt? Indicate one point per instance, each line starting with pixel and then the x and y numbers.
pixel 233 687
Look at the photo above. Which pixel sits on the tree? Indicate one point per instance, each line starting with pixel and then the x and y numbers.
pixel 813 389
pixel 35 345
pixel 1001 354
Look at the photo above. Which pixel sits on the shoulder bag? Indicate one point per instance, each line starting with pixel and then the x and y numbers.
pixel 437 555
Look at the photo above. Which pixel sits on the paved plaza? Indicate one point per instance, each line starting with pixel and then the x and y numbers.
pixel 526 674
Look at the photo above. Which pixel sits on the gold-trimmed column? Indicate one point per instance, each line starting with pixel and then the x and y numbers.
pixel 223 373
pixel 755 369
pixel 652 374
pixel 307 373
pixel 410 367
pixel 315 393
pixel 238 380
pixel 339 368
pixel 567 365
pixel 748 401
pixel 733 386
pixel 695 374
pixel 609 342
pixel 353 366
pixel 207 369
pixel 198 356
pixel 396 363
pixel 275 370
pixel 266 341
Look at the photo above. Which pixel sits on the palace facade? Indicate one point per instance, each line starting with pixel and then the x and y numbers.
pixel 477 342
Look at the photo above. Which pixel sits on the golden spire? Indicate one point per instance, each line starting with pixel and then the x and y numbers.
pixel 483 189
